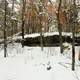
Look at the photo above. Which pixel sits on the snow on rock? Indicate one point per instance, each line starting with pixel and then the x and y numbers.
pixel 50 33
pixel 17 36
pixel 32 35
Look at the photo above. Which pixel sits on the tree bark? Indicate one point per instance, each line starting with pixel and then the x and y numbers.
pixel 59 26
pixel 73 35
pixel 79 55
pixel 23 14
pixel 41 35
pixel 5 37
pixel 73 48
pixel 12 17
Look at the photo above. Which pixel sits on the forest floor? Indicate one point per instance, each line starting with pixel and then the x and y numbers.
pixel 30 63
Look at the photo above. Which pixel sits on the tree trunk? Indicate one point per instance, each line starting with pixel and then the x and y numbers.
pixel 73 35
pixel 12 18
pixel 41 35
pixel 79 55
pixel 5 37
pixel 73 48
pixel 23 14
pixel 59 27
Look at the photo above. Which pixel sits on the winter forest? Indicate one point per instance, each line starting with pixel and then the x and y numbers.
pixel 39 39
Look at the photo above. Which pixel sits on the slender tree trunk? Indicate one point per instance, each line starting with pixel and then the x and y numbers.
pixel 59 26
pixel 5 37
pixel 12 17
pixel 23 14
pixel 73 47
pixel 73 35
pixel 41 35
pixel 79 55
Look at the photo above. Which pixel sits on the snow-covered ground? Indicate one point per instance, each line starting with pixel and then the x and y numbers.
pixel 30 63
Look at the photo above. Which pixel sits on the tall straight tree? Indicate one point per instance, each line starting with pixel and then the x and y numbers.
pixel 59 26
pixel 40 13
pixel 5 27
pixel 74 17
pixel 23 14
pixel 12 15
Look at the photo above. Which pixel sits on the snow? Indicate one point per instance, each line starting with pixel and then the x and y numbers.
pixel 16 36
pixel 1 40
pixel 30 63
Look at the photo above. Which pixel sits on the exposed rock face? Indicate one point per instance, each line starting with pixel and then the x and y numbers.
pixel 49 40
